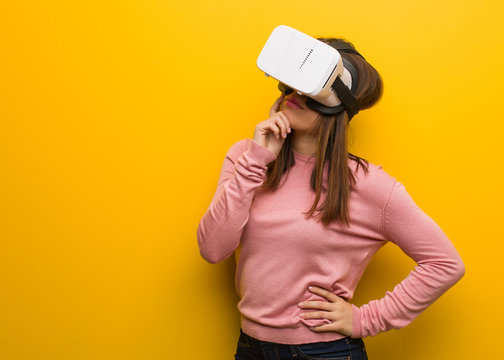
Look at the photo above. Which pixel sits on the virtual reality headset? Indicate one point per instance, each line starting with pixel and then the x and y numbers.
pixel 313 68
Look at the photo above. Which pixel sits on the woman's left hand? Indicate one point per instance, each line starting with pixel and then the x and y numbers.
pixel 336 309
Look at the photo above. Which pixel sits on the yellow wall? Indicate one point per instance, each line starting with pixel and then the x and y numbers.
pixel 115 117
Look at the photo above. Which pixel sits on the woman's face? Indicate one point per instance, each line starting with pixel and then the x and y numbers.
pixel 301 117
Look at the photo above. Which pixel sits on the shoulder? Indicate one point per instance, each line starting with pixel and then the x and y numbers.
pixel 376 184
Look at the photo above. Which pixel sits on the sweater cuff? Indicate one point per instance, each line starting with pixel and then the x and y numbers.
pixel 260 154
pixel 356 331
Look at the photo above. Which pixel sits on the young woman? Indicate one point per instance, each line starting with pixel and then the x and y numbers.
pixel 304 218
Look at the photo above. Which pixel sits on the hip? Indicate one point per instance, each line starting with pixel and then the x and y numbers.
pixel 347 348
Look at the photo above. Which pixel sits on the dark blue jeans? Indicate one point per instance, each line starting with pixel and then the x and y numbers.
pixel 249 348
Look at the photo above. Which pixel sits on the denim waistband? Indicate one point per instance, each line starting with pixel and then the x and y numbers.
pixel 253 339
pixel 257 341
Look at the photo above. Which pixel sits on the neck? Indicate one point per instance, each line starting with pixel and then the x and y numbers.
pixel 304 144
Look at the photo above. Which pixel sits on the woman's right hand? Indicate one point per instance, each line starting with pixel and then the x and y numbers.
pixel 271 133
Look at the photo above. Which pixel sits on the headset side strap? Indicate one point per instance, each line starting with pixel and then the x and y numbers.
pixel 346 97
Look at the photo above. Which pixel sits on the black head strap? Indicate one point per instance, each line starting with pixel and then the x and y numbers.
pixel 343 46
pixel 348 101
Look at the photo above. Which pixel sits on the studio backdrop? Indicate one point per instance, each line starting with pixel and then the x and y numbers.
pixel 116 116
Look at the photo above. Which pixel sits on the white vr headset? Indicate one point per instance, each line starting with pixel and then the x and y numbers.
pixel 313 68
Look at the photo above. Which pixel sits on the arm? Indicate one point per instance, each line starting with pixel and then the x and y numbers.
pixel 221 227
pixel 439 267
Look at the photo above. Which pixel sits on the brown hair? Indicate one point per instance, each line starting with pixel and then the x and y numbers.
pixel 331 132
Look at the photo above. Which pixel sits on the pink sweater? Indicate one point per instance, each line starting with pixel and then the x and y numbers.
pixel 279 253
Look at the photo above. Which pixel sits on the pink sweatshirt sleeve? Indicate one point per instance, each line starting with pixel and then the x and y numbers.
pixel 439 267
pixel 221 227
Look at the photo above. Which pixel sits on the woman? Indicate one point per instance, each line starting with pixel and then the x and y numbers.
pixel 304 218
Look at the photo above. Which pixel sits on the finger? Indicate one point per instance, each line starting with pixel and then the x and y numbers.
pixel 315 315
pixel 281 123
pixel 279 99
pixel 276 105
pixel 325 293
pixel 274 128
pixel 324 305
pixel 286 119
pixel 285 122
pixel 322 328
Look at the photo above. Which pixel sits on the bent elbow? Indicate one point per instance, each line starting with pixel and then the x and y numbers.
pixel 205 253
pixel 209 256
pixel 456 269
pixel 213 248
pixel 460 269
pixel 213 257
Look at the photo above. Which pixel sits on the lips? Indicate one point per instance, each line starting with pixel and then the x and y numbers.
pixel 292 103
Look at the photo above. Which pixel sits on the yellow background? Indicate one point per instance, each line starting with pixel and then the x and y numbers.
pixel 115 117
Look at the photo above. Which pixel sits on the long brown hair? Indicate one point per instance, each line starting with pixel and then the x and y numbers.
pixel 331 132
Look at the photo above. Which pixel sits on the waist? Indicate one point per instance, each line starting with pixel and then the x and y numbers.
pixel 300 334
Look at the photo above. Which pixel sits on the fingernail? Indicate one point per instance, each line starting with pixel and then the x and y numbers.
pixel 300 304
pixel 310 287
